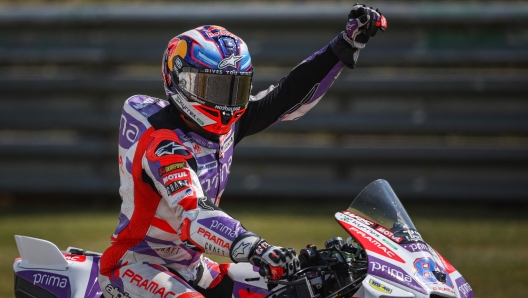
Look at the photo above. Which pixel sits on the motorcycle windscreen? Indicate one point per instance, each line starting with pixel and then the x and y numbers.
pixel 378 203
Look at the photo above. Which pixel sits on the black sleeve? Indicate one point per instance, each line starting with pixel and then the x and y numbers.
pixel 294 90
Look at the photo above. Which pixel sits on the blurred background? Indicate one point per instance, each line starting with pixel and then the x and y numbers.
pixel 437 106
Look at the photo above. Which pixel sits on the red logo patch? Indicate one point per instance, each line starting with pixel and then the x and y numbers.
pixel 75 258
pixel 197 149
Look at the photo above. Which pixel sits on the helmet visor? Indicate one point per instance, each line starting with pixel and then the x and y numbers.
pixel 220 89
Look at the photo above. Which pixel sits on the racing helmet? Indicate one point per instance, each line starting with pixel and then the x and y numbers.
pixel 207 73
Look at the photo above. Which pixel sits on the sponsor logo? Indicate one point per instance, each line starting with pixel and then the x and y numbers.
pixel 263 245
pixel 214 250
pixel 417 247
pixel 208 166
pixel 186 109
pixel 465 289
pixel 149 286
pixel 49 279
pixel 201 142
pixel 115 293
pixel 227 109
pixel 445 289
pixel 216 240
pixel 413 235
pixel 129 130
pixel 230 61
pixel 197 149
pixel 389 234
pixel 227 143
pixel 351 26
pixel 190 245
pixel 366 229
pixel 392 271
pixel 149 101
pixel 221 32
pixel 167 169
pixel 359 219
pixel 176 185
pixel 376 246
pixel 223 229
pixel 363 227
pixel 186 138
pixel 172 250
pixel 178 197
pixel 74 258
pixel 178 63
pixel 380 287
pixel 389 244
pixel 174 176
pixel 170 148
pixel 241 249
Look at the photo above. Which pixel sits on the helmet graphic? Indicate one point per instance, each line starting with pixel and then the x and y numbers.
pixel 207 73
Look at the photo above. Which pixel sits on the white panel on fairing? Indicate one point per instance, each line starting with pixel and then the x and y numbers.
pixel 242 271
pixel 37 253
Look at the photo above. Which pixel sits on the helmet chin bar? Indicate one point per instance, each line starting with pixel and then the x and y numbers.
pixel 226 116
pixel 216 120
pixel 224 119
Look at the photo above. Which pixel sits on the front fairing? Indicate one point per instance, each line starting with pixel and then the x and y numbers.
pixel 397 255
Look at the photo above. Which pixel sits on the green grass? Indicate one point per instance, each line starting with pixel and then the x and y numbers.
pixel 486 244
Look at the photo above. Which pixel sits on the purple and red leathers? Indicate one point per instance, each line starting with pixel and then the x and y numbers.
pixel 172 180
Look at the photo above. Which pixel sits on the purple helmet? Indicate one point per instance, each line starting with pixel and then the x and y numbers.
pixel 207 73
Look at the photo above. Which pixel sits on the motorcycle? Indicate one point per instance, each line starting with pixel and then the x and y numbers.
pixel 384 256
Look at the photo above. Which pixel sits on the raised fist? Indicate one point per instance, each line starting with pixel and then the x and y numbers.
pixel 363 23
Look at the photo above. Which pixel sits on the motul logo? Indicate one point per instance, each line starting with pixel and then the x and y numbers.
pixel 174 177
pixel 389 234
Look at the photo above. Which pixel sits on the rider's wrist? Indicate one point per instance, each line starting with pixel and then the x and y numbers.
pixel 244 246
pixel 344 51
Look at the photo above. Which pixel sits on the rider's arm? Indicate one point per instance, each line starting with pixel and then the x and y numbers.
pixel 306 84
pixel 170 169
pixel 293 96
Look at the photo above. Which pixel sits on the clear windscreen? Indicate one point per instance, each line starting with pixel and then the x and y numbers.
pixel 378 203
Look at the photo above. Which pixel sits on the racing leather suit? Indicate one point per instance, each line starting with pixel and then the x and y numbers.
pixel 172 180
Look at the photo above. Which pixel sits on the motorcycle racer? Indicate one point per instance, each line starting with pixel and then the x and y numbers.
pixel 175 156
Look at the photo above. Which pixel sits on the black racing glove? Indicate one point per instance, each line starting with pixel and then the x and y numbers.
pixel 275 262
pixel 363 23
